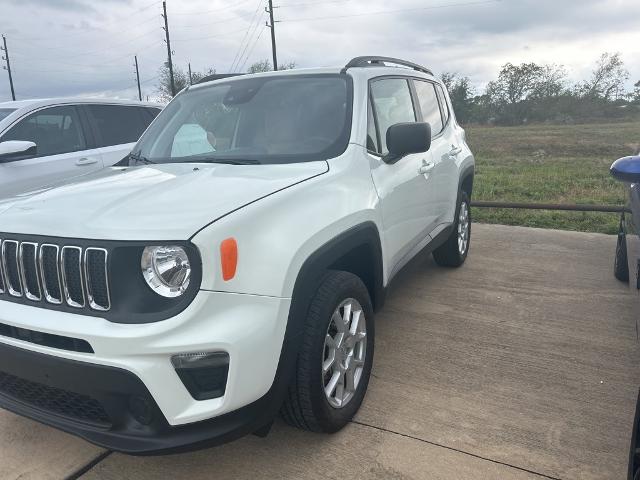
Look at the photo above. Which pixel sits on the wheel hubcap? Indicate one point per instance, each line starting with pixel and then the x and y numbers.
pixel 345 347
pixel 463 228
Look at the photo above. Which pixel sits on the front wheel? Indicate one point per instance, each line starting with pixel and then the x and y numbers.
pixel 453 252
pixel 335 358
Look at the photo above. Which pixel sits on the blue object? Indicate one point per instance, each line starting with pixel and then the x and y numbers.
pixel 626 169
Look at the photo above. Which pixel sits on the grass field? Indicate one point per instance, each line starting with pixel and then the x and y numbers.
pixel 551 164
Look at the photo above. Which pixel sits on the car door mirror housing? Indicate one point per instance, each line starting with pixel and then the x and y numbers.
pixel 626 169
pixel 12 150
pixel 406 138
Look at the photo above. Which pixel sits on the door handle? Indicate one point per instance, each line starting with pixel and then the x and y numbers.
pixel 426 167
pixel 454 151
pixel 86 161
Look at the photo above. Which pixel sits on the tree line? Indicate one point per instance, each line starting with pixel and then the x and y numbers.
pixel 532 92
pixel 529 92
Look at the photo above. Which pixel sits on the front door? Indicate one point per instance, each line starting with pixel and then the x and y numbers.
pixel 403 187
pixel 61 151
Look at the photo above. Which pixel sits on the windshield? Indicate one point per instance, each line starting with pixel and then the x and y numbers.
pixel 275 119
pixel 5 112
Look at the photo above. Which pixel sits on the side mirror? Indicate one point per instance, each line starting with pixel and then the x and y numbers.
pixel 626 169
pixel 406 138
pixel 12 150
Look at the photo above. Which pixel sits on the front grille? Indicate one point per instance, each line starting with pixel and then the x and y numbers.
pixel 55 400
pixel 55 274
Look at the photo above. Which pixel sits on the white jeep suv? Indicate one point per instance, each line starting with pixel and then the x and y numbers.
pixel 231 269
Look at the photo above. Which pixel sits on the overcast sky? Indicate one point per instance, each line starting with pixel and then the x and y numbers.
pixel 86 47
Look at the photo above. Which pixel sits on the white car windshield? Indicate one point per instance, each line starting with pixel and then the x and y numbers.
pixel 270 119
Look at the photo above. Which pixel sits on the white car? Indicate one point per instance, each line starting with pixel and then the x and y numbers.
pixel 184 299
pixel 45 141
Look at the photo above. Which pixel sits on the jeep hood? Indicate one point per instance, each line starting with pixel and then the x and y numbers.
pixel 152 202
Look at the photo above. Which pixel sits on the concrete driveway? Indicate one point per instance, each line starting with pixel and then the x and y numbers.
pixel 522 364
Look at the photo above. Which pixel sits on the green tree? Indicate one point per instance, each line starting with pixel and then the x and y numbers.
pixel 180 79
pixel 607 79
pixel 461 95
pixel 265 66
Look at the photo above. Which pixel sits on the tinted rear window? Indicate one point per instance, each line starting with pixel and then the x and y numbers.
pixel 118 124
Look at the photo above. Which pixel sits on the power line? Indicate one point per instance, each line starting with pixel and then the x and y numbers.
pixel 384 12
pixel 250 39
pixel 253 18
pixel 316 4
pixel 252 48
pixel 200 12
pixel 208 36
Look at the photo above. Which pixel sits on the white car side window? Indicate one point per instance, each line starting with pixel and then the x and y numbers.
pixel 54 130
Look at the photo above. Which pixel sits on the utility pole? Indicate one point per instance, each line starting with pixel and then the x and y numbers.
pixel 8 67
pixel 169 62
pixel 138 78
pixel 190 78
pixel 273 34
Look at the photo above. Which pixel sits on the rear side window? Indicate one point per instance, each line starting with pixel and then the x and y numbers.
pixel 446 114
pixel 118 124
pixel 392 104
pixel 152 111
pixel 429 105
pixel 54 130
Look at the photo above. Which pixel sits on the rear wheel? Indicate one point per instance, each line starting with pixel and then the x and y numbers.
pixel 620 265
pixel 335 358
pixel 453 252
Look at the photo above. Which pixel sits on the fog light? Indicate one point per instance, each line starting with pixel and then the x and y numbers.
pixel 203 374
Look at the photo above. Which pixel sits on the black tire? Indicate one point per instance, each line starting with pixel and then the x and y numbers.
pixel 620 265
pixel 306 405
pixel 448 254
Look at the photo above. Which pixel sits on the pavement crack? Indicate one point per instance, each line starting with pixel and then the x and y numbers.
pixel 84 469
pixel 542 475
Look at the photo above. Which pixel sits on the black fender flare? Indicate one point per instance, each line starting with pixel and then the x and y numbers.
pixel 467 172
pixel 307 282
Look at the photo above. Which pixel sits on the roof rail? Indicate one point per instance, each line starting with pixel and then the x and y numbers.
pixel 373 61
pixel 217 76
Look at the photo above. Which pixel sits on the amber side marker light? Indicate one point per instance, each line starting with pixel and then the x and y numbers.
pixel 229 258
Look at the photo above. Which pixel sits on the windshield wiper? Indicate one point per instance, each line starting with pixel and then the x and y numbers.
pixel 226 160
pixel 140 158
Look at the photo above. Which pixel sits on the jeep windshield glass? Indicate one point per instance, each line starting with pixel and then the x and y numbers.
pixel 5 112
pixel 271 119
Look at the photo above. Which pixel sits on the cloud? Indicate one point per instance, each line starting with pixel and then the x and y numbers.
pixel 73 47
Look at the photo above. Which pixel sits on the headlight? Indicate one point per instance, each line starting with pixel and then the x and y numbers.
pixel 166 270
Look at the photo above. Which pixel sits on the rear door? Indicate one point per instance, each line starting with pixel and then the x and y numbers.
pixel 403 187
pixel 444 150
pixel 117 128
pixel 62 144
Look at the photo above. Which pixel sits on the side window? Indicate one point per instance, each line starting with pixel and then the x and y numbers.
pixel 54 130
pixel 118 124
pixel 443 103
pixel 429 105
pixel 372 134
pixel 392 103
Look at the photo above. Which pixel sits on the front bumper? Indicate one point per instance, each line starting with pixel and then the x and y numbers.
pixel 95 403
pixel 132 363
